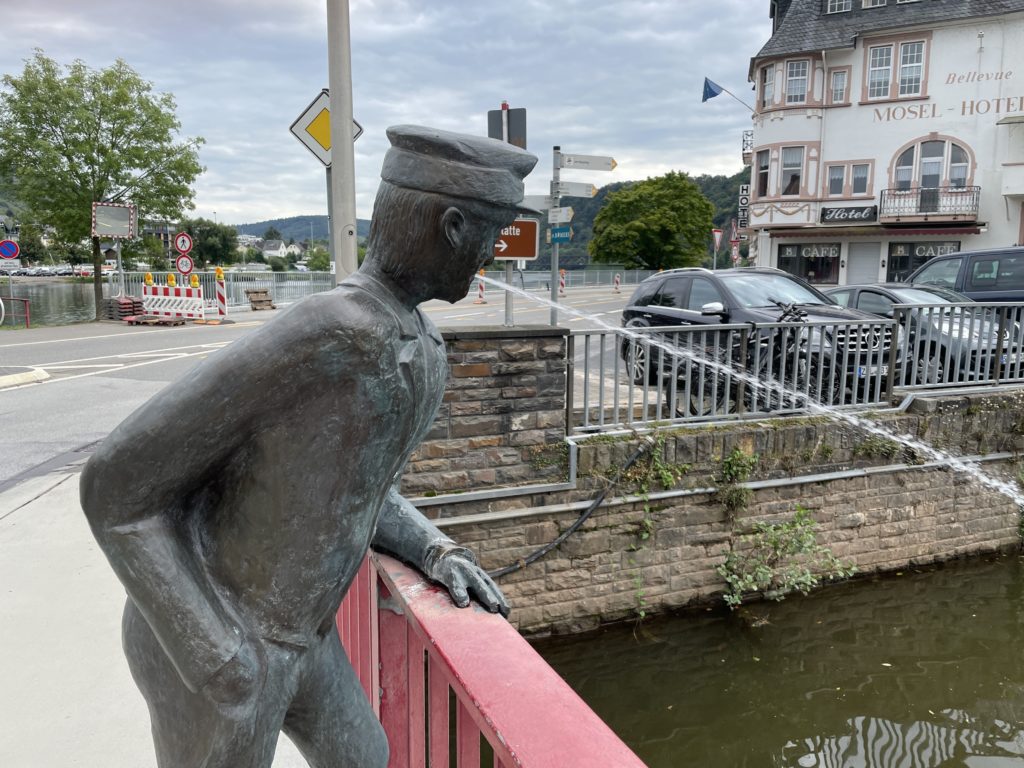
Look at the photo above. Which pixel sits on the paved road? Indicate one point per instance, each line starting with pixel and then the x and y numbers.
pixel 101 372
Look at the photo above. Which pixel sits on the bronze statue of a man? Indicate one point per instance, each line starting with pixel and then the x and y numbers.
pixel 237 505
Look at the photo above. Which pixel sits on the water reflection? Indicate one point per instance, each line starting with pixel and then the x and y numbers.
pixel 54 303
pixel 922 670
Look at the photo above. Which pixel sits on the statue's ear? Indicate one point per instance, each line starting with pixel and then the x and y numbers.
pixel 453 224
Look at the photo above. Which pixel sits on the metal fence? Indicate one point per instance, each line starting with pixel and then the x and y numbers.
pixel 626 378
pixel 284 287
pixel 574 278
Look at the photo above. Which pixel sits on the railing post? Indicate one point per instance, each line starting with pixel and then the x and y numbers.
pixel 1000 335
pixel 570 380
pixel 894 343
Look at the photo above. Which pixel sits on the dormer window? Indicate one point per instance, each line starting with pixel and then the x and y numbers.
pixel 839 6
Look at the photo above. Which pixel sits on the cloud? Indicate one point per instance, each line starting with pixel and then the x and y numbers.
pixel 596 77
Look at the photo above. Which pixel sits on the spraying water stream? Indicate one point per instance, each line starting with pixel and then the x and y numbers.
pixel 955 463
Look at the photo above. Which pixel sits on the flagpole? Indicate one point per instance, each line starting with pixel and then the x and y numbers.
pixel 741 101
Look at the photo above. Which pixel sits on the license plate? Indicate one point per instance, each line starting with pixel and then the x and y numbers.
pixel 1011 359
pixel 863 371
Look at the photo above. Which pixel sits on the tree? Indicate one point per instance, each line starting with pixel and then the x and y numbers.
pixel 319 260
pixel 272 233
pixel 659 223
pixel 213 243
pixel 75 137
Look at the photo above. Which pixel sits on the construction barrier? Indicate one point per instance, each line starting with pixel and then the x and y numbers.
pixel 617 282
pixel 171 301
pixel 222 294
pixel 480 290
pixel 561 282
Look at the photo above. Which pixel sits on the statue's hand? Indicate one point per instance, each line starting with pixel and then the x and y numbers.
pixel 457 569
pixel 239 681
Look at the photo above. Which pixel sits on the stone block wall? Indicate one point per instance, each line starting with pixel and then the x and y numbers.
pixel 502 422
pixel 877 505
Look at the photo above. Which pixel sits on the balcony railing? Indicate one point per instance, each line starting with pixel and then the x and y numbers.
pixel 930 204
pixel 417 655
pixel 748 147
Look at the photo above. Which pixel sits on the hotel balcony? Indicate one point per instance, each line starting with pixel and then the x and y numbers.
pixel 748 147
pixel 929 204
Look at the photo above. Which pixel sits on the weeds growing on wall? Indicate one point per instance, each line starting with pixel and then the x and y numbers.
pixel 776 559
pixel 736 469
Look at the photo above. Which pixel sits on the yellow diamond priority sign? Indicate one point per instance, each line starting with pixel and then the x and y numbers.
pixel 313 128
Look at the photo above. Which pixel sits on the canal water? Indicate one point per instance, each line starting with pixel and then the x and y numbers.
pixel 52 302
pixel 920 670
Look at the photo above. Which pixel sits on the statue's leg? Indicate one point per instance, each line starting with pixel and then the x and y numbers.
pixel 189 730
pixel 330 720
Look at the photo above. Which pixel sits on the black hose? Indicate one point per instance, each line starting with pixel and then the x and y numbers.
pixel 537 554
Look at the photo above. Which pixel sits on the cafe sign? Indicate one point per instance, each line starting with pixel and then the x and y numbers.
pixel 810 251
pixel 850 214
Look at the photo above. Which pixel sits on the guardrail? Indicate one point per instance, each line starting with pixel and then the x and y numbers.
pixel 284 287
pixel 419 657
pixel 15 311
pixel 628 377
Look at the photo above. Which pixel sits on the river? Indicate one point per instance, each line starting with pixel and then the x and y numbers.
pixel 52 302
pixel 920 670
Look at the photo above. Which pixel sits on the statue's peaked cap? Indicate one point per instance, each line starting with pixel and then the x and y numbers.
pixel 457 164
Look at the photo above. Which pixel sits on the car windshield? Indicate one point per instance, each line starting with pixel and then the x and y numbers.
pixel 928 296
pixel 766 290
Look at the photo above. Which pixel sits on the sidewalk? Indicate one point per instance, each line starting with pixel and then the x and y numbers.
pixel 68 698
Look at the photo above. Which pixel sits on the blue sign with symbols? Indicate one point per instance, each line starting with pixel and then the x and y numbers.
pixel 9 249
pixel 561 234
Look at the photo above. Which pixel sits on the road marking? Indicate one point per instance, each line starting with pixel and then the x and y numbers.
pixel 95 373
pixel 247 324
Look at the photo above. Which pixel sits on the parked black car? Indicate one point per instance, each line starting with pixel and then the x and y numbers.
pixel 994 274
pixel 836 352
pixel 944 343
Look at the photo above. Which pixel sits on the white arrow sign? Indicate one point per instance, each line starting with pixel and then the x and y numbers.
pixel 501 246
pixel 538 202
pixel 560 215
pixel 588 162
pixel 574 189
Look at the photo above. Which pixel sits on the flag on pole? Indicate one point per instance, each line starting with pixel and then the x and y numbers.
pixel 711 90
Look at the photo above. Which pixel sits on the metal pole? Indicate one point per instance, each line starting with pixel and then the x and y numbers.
pixel 556 199
pixel 330 227
pixel 120 269
pixel 509 319
pixel 343 183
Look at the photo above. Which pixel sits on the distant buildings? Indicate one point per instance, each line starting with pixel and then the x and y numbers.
pixel 886 132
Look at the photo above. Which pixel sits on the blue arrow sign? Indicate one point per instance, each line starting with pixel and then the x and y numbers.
pixel 561 234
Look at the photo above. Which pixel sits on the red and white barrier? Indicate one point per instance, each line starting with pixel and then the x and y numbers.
pixel 561 284
pixel 222 298
pixel 480 292
pixel 618 281
pixel 163 301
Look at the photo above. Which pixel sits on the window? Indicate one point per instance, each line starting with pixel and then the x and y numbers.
pixel 702 292
pixel 933 164
pixel 942 273
pixel 875 303
pixel 836 178
pixel 796 81
pixel 873 3
pixel 767 86
pixel 762 173
pixel 911 68
pixel 672 293
pixel 839 86
pixel 879 71
pixel 860 179
pixel 792 166
pixel 839 6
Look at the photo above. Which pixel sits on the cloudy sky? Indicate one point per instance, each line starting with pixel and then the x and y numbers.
pixel 600 77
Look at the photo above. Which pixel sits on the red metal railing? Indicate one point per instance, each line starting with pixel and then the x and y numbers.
pixel 417 654
pixel 16 311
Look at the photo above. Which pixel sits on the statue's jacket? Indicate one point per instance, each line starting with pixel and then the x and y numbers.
pixel 241 499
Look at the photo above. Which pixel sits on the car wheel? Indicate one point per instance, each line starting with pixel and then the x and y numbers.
pixel 636 354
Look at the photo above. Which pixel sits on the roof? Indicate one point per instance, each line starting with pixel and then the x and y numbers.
pixel 806 27
pixel 273 245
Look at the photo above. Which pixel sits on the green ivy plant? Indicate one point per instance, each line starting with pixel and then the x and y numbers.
pixel 776 559
pixel 736 469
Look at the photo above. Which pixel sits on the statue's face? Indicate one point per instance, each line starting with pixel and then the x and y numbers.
pixel 466 259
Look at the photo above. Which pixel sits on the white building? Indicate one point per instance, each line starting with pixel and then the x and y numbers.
pixel 886 132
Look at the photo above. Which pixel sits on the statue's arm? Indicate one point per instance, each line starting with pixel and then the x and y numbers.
pixel 403 531
pixel 138 492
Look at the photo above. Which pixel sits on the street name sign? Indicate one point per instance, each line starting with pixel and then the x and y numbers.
pixel 561 234
pixel 573 189
pixel 560 215
pixel 9 249
pixel 313 127
pixel 519 240
pixel 588 162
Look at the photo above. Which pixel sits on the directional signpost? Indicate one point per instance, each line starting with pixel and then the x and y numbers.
pixel 559 215
pixel 539 202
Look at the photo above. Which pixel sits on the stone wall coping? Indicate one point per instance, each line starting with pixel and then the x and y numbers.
pixel 501 332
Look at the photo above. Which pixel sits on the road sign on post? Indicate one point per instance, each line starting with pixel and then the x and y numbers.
pixel 9 249
pixel 183 244
pixel 561 234
pixel 717 233
pixel 114 221
pixel 574 189
pixel 313 127
pixel 560 215
pixel 184 264
pixel 515 130
pixel 588 163
pixel 519 240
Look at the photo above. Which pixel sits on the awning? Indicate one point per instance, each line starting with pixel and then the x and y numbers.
pixel 1010 120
